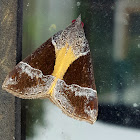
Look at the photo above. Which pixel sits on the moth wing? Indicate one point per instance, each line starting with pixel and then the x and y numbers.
pixel 31 77
pixel 81 73
pixel 77 96
pixel 74 91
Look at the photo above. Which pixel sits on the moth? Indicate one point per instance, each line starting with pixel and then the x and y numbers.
pixel 61 70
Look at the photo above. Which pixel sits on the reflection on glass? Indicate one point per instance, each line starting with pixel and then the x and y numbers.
pixel 113 32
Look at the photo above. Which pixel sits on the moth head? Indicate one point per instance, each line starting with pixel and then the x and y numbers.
pixel 81 22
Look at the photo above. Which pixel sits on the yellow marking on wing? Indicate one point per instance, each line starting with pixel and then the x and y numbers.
pixel 64 57
pixel 52 86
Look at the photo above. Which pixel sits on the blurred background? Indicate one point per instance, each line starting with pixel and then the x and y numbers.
pixel 112 28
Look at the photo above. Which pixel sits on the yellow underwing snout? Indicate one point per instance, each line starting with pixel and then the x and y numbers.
pixel 61 70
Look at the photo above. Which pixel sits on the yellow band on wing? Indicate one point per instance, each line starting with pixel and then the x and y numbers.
pixel 64 57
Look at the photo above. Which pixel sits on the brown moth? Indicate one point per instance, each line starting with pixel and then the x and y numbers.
pixel 61 70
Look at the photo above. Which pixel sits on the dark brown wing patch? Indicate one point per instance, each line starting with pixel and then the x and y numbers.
pixel 43 58
pixel 80 72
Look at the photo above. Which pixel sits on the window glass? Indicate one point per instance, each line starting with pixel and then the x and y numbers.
pixel 113 31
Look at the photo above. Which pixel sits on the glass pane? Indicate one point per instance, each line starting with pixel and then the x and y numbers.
pixel 112 29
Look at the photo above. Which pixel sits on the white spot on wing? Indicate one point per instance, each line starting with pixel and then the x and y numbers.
pixel 90 112
pixel 11 81
pixel 83 91
pixel 32 72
